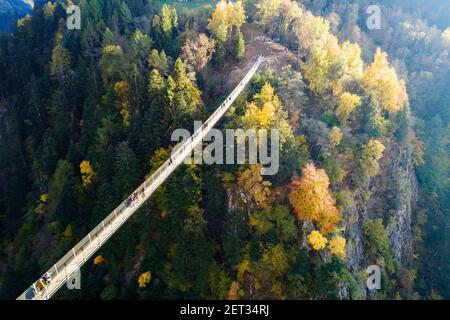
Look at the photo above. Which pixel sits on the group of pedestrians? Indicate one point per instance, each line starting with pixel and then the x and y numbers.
pixel 38 287
pixel 134 198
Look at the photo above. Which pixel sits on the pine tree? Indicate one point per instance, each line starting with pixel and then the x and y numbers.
pixel 373 121
pixel 153 126
pixel 61 193
pixel 126 170
pixel 403 123
pixel 159 61
pixel 239 46
pixel 184 98
pixel 109 38
pixel 219 56
pixel 61 115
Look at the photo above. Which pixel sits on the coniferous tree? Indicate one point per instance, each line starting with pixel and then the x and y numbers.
pixel 153 131
pixel 126 170
pixel 403 123
pixel 239 46
pixel 373 121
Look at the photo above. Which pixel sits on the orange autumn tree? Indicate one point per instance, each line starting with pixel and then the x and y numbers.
pixel 311 199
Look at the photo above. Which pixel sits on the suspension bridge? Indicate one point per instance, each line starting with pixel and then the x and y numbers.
pixel 69 264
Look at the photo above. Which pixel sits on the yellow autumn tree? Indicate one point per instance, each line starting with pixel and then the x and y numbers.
pixel 242 268
pixel 219 22
pixel 254 188
pixel 311 31
pixel 328 65
pixel 348 102
pixel 311 199
pixel 260 113
pixel 99 260
pixel 44 197
pixel 380 80
pixel 291 14
pixel 87 173
pixel 41 206
pixel 325 65
pixel 237 16
pixel 317 240
pixel 335 136
pixel 49 9
pixel 144 279
pixel 371 153
pixel 337 246
pixel 68 231
pixel 353 61
pixel 226 16
pixel 266 112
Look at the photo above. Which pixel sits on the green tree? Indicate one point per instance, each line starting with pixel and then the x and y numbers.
pixel 276 221
pixel 61 193
pixel 239 46
pixel 403 126
pixel 126 170
pixel 219 56
pixel 377 240
pixel 159 61
pixel 184 100
pixel 373 120
pixel 139 48
pixel 153 126
pixel 112 63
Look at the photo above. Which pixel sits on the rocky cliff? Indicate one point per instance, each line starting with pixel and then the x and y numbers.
pixel 393 194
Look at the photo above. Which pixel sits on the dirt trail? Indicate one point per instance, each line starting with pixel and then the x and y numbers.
pixel 276 57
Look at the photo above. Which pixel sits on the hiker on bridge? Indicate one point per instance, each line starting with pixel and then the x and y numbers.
pixel 47 278
pixel 41 284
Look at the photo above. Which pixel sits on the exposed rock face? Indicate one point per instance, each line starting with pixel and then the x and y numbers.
pixel 393 193
pixel 406 191
pixel 355 238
